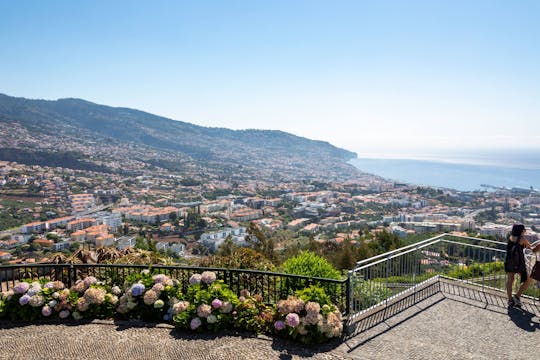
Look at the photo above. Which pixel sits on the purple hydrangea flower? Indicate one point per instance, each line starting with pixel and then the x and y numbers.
pixel 63 314
pixel 195 279
pixel 21 288
pixel 195 323
pixel 49 285
pixel 137 289
pixel 279 325
pixel 23 300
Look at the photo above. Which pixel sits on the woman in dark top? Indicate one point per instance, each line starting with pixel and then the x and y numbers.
pixel 515 263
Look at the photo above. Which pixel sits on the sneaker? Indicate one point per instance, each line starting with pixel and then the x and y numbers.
pixel 517 301
pixel 511 303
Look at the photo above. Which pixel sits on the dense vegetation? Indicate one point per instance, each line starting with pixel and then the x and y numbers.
pixel 71 160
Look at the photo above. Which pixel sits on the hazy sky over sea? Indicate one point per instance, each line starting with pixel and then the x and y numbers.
pixel 382 78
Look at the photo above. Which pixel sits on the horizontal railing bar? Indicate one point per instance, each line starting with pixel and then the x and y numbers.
pixel 472 245
pixel 167 267
pixel 386 254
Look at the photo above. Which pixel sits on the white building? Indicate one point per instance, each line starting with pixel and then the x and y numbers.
pixel 213 240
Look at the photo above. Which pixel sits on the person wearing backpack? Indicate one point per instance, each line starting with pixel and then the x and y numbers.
pixel 515 263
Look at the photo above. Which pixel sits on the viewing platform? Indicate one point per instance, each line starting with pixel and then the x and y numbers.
pixel 441 298
pixel 444 326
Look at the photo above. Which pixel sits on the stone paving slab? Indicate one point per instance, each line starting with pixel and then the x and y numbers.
pixel 451 328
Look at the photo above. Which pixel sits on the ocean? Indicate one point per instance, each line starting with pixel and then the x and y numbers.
pixel 465 172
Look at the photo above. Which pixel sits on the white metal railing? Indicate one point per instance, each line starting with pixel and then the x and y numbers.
pixel 377 281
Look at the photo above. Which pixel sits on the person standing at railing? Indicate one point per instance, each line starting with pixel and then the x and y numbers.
pixel 514 263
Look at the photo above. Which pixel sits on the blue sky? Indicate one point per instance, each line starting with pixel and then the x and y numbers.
pixel 382 78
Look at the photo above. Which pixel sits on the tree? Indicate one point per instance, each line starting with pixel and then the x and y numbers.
pixel 227 248
pixel 140 243
pixel 52 236
pixel 259 242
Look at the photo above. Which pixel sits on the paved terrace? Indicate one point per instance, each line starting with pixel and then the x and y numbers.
pixel 443 326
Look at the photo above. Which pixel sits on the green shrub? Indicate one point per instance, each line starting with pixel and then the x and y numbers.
pixel 310 264
pixel 314 294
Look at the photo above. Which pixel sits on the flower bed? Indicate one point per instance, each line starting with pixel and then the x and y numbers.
pixel 207 305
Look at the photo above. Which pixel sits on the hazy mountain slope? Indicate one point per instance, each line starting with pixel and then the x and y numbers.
pixel 75 119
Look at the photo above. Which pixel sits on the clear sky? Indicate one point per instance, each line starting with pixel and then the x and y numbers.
pixel 377 77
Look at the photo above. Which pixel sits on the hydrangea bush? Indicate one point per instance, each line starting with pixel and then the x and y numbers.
pixel 31 300
pixel 309 316
pixel 207 305
pixel 94 300
pixel 252 314
pixel 149 297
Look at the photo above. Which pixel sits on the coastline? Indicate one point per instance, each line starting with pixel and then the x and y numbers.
pixel 450 174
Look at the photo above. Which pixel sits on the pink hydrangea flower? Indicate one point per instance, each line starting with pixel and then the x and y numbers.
pixel 63 314
pixel 95 296
pixel 46 310
pixel 82 305
pixel 292 319
pixel 180 307
pixel 150 297
pixel 313 307
pixel 204 310
pixel 208 277
pixel 216 303
pixel 226 307
pixel 89 280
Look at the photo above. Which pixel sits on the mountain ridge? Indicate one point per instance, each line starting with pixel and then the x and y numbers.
pixel 75 119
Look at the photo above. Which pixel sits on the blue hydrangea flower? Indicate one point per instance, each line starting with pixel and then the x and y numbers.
pixel 137 289
pixel 23 300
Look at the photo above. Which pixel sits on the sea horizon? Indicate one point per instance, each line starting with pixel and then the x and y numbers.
pixel 463 171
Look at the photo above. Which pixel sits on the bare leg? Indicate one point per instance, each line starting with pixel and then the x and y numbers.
pixel 524 287
pixel 509 283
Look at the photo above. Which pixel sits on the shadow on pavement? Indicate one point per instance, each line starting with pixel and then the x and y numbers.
pixel 523 319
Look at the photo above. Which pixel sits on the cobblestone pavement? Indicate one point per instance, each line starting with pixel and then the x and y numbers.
pixel 445 327
pixel 105 340
pixel 438 328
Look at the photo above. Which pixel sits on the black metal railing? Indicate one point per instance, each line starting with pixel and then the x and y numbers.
pixel 271 286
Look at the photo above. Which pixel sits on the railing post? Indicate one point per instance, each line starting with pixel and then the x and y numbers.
pixel 71 275
pixel 387 275
pixel 349 297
